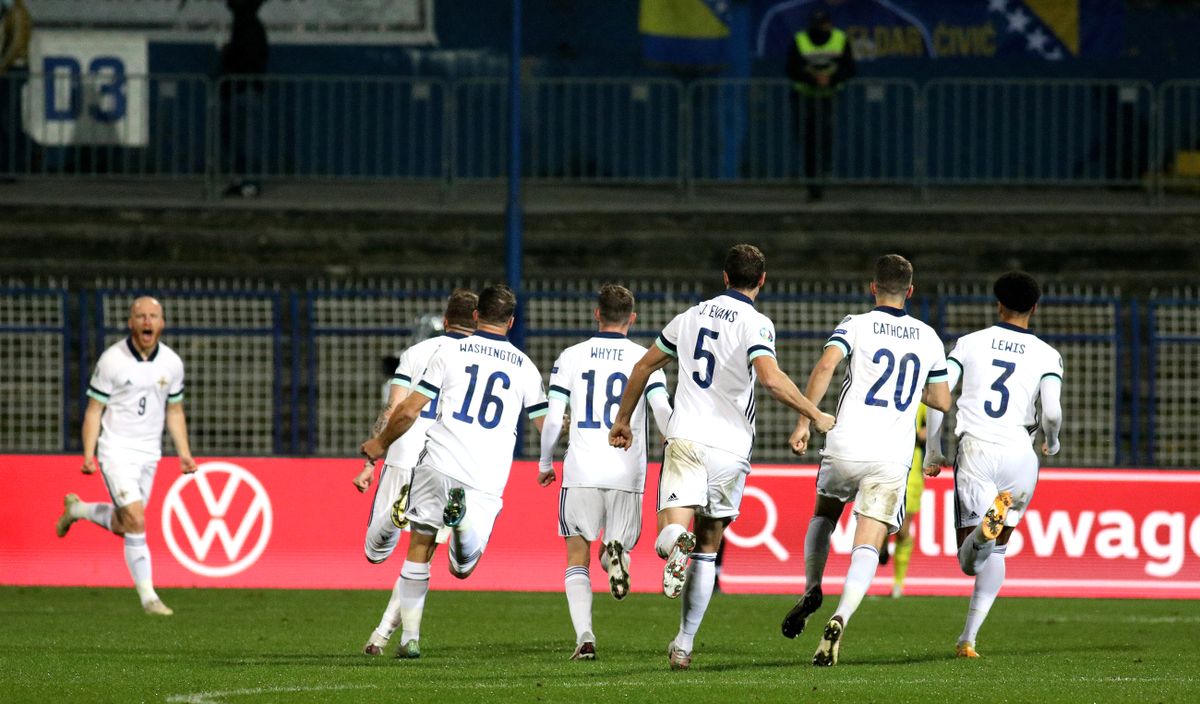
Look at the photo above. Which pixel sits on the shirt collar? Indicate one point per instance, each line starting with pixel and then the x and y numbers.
pixel 898 312
pixel 489 335
pixel 138 355
pixel 738 295
pixel 610 335
pixel 1014 328
pixel 455 335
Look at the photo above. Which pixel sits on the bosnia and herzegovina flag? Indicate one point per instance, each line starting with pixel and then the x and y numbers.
pixel 692 33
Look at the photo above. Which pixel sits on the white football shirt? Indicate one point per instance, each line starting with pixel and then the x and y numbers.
pixel 715 342
pixel 481 384
pixel 891 357
pixel 135 393
pixel 590 377
pixel 413 362
pixel 1002 370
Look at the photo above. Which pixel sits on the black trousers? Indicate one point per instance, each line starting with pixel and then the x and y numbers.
pixel 813 116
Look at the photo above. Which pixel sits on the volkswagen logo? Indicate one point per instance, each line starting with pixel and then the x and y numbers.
pixel 207 520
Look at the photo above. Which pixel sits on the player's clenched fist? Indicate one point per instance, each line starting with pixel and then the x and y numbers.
pixel 825 423
pixel 621 435
pixel 187 464
pixel 372 449
pixel 89 465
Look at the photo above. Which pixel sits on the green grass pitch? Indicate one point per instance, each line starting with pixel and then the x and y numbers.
pixel 95 645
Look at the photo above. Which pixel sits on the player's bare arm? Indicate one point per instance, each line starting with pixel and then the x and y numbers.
pixel 177 427
pixel 783 389
pixel 621 435
pixel 401 419
pixel 937 396
pixel 91 434
pixel 396 394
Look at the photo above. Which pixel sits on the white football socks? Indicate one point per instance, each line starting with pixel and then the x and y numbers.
pixel 816 550
pixel 414 585
pixel 863 563
pixel 697 591
pixel 987 587
pixel 465 548
pixel 578 583
pixel 137 558
pixel 100 514
pixel 974 552
pixel 391 615
pixel 666 539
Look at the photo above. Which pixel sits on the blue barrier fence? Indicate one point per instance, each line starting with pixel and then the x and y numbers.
pixel 299 372
pixel 948 132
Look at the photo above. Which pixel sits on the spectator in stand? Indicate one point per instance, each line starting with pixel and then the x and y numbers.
pixel 819 62
pixel 243 60
pixel 15 28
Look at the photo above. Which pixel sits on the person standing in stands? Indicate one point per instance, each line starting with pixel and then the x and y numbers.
pixel 243 59
pixel 819 62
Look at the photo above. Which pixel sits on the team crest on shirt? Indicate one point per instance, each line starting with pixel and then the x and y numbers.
pixel 162 382
pixel 766 334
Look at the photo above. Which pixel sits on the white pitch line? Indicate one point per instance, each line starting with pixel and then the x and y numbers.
pixel 215 697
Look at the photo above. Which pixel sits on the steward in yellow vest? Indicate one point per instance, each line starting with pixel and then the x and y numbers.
pixel 821 59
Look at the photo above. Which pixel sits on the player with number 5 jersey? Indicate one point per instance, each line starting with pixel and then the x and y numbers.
pixel 894 362
pixel 482 385
pixel 1006 372
pixel 722 345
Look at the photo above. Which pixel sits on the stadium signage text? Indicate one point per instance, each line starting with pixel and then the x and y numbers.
pixel 299 523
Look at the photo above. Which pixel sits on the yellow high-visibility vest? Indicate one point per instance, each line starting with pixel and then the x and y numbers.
pixel 822 58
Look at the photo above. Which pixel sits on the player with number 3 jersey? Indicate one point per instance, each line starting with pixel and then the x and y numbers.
pixel 722 345
pixel 894 362
pixel 1006 372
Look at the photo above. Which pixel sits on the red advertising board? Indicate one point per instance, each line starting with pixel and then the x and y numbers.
pixel 299 523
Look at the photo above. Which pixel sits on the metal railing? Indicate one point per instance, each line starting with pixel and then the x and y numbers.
pixel 764 131
pixel 950 132
pixel 129 127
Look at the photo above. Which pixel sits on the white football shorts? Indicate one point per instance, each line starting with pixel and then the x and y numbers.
pixel 984 469
pixel 590 511
pixel 430 491
pixel 876 488
pixel 694 474
pixel 128 476
pixel 387 510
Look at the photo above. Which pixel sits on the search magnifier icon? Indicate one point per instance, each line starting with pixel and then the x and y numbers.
pixel 766 536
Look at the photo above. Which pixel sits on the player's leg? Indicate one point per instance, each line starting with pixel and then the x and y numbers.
pixel 387 513
pixel 682 487
pixel 100 513
pixel 980 507
pixel 408 593
pixel 727 474
pixel 698 590
pixel 879 509
pixel 469 533
pixel 622 529
pixel 835 487
pixel 1017 477
pixel 580 519
pixel 129 482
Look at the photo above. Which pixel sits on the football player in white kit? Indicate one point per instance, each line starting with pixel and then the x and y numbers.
pixel 895 362
pixel 1005 370
pixel 602 486
pixel 722 344
pixel 391 493
pixel 482 384
pixel 136 387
